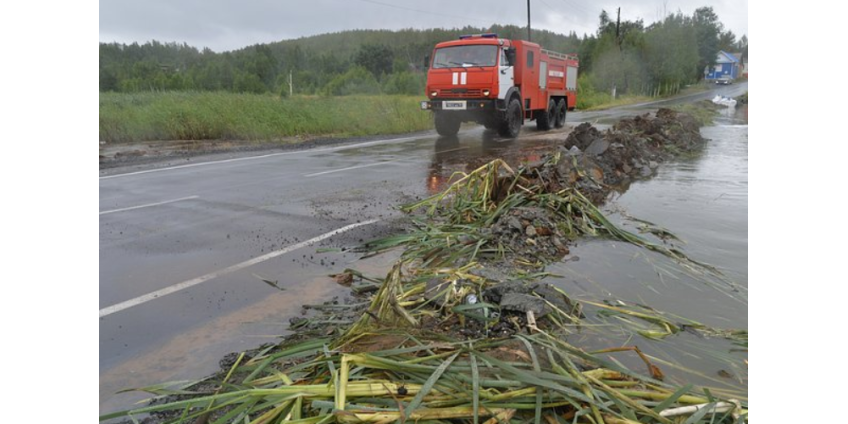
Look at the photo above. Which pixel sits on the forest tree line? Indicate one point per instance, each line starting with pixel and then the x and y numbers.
pixel 632 57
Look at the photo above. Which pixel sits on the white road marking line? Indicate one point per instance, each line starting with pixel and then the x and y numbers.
pixel 195 281
pixel 148 205
pixel 352 167
pixel 328 149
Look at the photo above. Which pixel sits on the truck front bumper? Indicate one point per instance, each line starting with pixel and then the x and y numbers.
pixel 462 105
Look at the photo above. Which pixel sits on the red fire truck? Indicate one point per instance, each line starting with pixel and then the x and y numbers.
pixel 499 83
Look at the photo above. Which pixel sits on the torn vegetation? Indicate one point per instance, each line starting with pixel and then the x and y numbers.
pixel 462 329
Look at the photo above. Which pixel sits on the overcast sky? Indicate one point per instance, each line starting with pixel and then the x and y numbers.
pixel 230 24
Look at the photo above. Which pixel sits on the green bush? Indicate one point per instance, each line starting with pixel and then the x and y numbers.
pixel 355 81
pixel 245 82
pixel 405 83
pixel 587 95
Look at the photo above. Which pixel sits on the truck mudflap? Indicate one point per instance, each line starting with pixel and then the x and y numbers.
pixel 463 105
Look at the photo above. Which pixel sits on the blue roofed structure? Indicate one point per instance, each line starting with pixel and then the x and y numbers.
pixel 727 65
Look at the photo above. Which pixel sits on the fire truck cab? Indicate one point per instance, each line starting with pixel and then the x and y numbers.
pixel 499 83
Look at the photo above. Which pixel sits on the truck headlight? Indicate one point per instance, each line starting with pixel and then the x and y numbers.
pixel 434 93
pixel 485 93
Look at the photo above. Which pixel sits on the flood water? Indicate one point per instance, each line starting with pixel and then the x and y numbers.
pixel 703 201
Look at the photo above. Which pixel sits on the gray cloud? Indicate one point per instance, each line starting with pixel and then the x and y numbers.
pixel 230 24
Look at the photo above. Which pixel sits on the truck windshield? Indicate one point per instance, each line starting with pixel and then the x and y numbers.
pixel 465 56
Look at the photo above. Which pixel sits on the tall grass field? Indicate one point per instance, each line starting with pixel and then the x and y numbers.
pixel 147 116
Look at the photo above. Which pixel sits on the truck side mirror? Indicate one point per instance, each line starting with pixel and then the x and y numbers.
pixel 426 61
pixel 510 56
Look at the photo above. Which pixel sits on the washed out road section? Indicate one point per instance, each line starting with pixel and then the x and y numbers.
pixel 246 208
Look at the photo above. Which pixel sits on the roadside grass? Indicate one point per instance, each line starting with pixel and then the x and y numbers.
pixel 704 111
pixel 590 100
pixel 601 101
pixel 703 114
pixel 126 117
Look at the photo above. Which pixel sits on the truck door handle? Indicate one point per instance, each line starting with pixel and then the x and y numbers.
pixel 503 71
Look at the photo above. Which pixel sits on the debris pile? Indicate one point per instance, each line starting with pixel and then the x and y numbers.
pixel 533 228
pixel 417 353
pixel 460 329
pixel 476 309
pixel 525 216
pixel 633 148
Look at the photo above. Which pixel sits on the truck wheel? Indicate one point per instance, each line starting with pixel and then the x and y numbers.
pixel 545 120
pixel 446 124
pixel 560 115
pixel 510 125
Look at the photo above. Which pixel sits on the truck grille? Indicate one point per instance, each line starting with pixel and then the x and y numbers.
pixel 461 93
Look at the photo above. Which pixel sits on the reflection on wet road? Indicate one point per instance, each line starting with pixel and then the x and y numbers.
pixel 451 156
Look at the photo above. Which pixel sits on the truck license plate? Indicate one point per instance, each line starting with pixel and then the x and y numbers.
pixel 454 105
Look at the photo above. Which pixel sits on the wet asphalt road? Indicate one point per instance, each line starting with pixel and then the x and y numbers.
pixel 214 226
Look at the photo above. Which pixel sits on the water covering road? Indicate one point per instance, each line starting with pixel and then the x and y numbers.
pixel 703 201
pixel 208 230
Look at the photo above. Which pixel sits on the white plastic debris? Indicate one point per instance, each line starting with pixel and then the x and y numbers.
pixel 715 408
pixel 725 101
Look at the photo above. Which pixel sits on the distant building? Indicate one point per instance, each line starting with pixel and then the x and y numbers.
pixel 728 65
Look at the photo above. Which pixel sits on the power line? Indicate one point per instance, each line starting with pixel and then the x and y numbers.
pixel 422 11
pixel 559 9
pixel 394 6
pixel 546 3
pixel 578 6
pixel 564 12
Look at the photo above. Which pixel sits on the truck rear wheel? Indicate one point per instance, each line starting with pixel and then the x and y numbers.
pixel 510 125
pixel 446 124
pixel 546 118
pixel 560 114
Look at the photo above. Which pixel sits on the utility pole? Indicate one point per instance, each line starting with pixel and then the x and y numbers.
pixel 291 87
pixel 617 29
pixel 617 41
pixel 528 20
